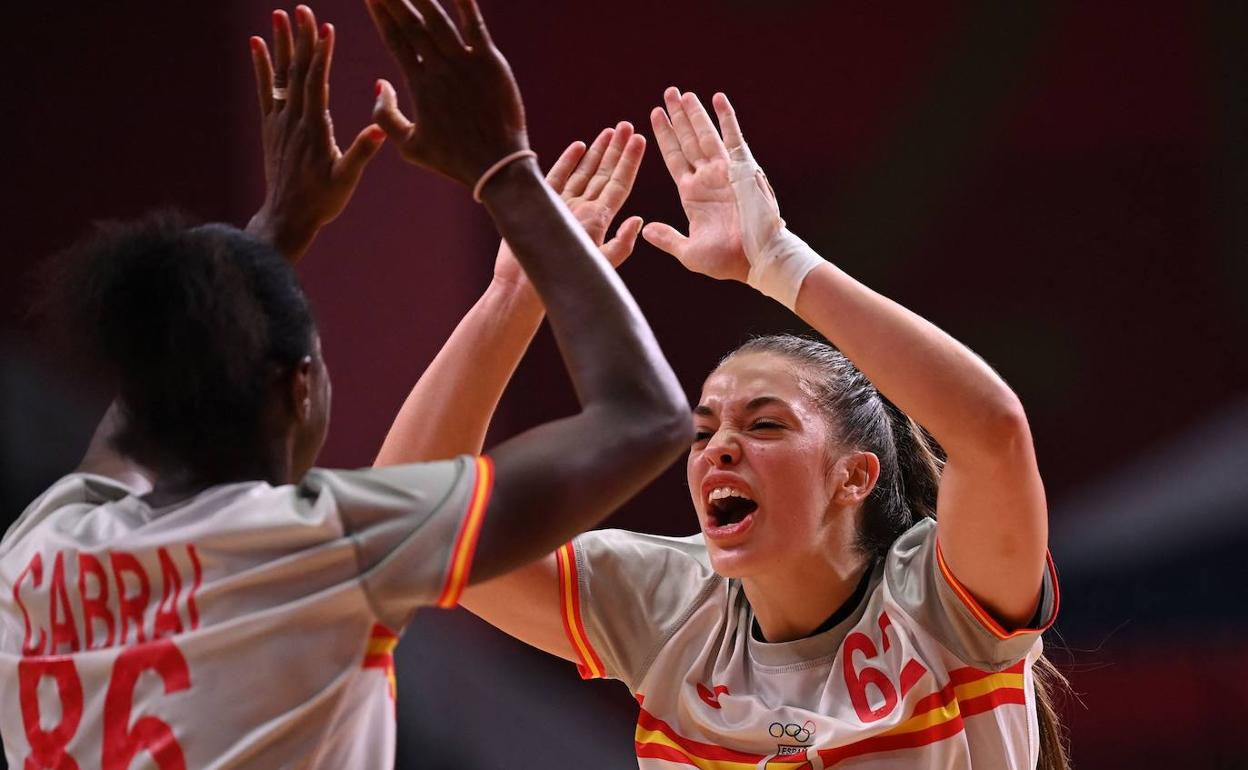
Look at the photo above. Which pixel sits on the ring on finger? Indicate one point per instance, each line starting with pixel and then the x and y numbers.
pixel 280 93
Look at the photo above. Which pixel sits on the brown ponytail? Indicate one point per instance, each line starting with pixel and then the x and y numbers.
pixel 911 462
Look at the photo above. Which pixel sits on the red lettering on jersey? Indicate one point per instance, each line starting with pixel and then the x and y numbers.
pixel 712 698
pixel 48 747
pixel 168 622
pixel 199 579
pixel 61 614
pixel 130 608
pixel 94 607
pixel 121 741
pixel 885 622
pixel 857 681
pixel 910 675
pixel 35 570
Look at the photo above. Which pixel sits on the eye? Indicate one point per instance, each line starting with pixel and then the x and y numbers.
pixel 766 425
pixel 702 435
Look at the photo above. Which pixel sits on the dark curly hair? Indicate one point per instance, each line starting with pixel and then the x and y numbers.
pixel 191 323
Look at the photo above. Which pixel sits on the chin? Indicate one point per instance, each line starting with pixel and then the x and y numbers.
pixel 733 563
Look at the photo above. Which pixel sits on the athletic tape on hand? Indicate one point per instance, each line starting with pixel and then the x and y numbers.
pixel 779 260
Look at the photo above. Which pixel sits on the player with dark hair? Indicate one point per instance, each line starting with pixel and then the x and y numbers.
pixel 859 595
pixel 242 612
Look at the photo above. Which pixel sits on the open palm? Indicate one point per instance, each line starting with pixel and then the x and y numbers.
pixel 594 182
pixel 698 161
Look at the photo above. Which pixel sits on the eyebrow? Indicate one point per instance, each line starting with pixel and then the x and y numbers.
pixel 754 404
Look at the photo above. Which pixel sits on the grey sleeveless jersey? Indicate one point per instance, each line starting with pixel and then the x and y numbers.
pixel 917 675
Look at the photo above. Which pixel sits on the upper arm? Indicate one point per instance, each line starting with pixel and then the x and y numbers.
pixel 992 522
pixel 524 604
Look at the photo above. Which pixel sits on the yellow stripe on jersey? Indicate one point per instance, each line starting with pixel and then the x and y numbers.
pixel 465 547
pixel 591 665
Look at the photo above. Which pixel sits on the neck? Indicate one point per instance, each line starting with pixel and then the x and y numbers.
pixel 794 598
pixel 177 483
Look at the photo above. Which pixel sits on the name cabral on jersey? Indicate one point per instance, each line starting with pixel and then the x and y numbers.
pixel 122 598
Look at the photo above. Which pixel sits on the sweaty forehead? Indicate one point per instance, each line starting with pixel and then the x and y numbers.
pixel 750 376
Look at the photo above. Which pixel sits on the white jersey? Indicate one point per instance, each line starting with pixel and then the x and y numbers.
pixel 916 674
pixel 248 627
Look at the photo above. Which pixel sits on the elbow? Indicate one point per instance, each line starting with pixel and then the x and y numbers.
pixel 658 424
pixel 1004 430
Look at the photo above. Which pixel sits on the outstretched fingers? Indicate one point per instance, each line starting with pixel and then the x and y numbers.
pixel 301 64
pixel 666 238
pixel 585 170
pixel 733 140
pixel 476 34
pixel 316 94
pixel 402 32
pixel 558 175
pixel 624 174
pixel 682 126
pixel 263 67
pixel 351 165
pixel 703 129
pixel 441 31
pixel 669 146
pixel 386 113
pixel 283 52
pixel 621 246
pixel 610 159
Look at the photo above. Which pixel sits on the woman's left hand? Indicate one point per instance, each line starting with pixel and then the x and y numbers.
pixel 308 178
pixel 699 162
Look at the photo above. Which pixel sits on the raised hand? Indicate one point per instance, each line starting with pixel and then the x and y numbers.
pixel 594 182
pixel 467 113
pixel 700 164
pixel 308 178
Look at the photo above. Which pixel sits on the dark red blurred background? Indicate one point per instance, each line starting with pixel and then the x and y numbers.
pixel 1061 185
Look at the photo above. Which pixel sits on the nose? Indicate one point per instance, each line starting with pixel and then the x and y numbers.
pixel 722 451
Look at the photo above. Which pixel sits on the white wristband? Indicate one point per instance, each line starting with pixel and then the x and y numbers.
pixel 782 267
pixel 779 260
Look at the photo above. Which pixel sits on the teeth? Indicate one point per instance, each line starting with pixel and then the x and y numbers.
pixel 719 493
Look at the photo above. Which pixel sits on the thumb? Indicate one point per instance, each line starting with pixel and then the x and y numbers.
pixel 666 238
pixel 621 246
pixel 386 113
pixel 361 151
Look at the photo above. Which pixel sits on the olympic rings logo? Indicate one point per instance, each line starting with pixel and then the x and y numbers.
pixel 801 733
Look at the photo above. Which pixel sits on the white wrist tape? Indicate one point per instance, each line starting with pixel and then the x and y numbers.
pixel 779 260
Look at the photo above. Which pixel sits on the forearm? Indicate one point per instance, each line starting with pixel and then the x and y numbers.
pixel 449 410
pixel 931 376
pixel 289 238
pixel 585 300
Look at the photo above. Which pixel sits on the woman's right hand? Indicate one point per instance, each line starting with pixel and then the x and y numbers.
pixel 467 108
pixel 594 182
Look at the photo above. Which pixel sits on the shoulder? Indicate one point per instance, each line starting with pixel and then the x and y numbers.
pixel 74 492
pixel 683 554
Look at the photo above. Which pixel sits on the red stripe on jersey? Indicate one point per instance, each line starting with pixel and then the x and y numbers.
pixel 379 654
pixel 982 615
pixel 199 580
pixel 990 700
pixel 886 742
pixel 590 666
pixel 649 722
pixel 665 753
pixel 961 676
pixel 460 565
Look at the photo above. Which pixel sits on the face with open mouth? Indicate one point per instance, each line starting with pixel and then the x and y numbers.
pixel 757 467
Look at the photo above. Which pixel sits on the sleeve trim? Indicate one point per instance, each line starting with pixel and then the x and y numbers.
pixel 982 615
pixel 460 565
pixel 589 665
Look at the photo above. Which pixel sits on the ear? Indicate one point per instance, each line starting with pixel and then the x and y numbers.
pixel 859 472
pixel 299 390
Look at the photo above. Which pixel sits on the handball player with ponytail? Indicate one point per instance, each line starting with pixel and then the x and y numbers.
pixel 864 592
pixel 240 610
